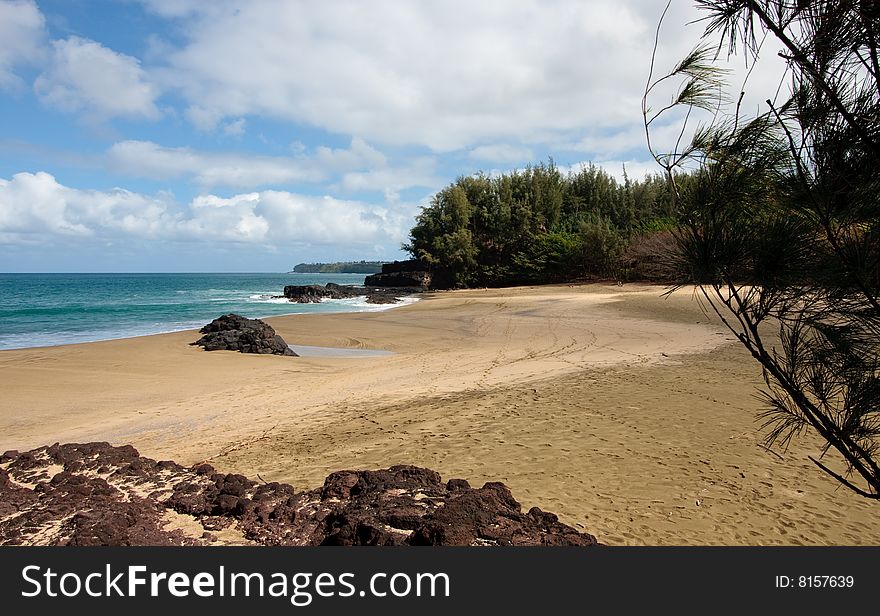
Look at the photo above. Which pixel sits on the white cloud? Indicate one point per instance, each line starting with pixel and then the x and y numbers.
pixel 501 153
pixel 635 169
pixel 36 207
pixel 148 159
pixel 236 128
pixel 35 204
pixel 359 154
pixel 205 120
pixel 419 171
pixel 362 167
pixel 608 143
pixel 84 76
pixel 181 8
pixel 21 36
pixel 445 75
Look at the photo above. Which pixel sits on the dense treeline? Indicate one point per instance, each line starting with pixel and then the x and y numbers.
pixel 346 267
pixel 540 225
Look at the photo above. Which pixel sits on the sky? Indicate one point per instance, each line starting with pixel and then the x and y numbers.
pixel 251 135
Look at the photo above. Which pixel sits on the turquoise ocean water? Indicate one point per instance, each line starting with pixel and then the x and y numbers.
pixel 52 309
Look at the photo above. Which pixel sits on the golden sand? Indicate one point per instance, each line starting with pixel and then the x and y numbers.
pixel 629 415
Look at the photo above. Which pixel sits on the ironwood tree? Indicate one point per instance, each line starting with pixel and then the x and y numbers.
pixel 780 217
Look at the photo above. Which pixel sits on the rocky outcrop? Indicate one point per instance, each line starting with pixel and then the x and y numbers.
pixel 382 298
pixel 97 494
pixel 411 265
pixel 233 332
pixel 314 293
pixel 413 274
pixel 400 279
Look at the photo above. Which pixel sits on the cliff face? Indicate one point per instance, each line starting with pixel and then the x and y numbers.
pixel 402 274
pixel 315 293
pixel 97 494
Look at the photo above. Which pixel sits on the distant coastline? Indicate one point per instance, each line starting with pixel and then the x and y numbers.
pixel 339 267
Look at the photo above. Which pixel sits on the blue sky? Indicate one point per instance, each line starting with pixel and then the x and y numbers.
pixel 181 135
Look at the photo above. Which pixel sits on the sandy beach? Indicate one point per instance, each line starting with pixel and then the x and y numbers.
pixel 630 415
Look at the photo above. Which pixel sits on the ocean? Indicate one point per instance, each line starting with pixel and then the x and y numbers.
pixel 52 309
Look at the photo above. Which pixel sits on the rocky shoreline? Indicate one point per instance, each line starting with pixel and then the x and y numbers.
pixel 98 494
pixel 314 293
pixel 396 280
pixel 402 274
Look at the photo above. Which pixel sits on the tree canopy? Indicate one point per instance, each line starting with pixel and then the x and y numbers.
pixel 781 220
pixel 536 225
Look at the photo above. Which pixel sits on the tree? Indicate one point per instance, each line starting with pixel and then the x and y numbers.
pixel 601 247
pixel 443 237
pixel 536 225
pixel 780 223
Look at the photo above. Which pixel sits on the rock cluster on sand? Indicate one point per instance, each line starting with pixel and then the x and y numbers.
pixel 96 494
pixel 233 332
pixel 315 293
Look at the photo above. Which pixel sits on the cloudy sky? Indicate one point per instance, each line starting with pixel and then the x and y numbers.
pixel 250 135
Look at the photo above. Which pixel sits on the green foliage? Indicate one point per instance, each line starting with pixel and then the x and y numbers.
pixel 342 267
pixel 781 224
pixel 601 246
pixel 550 257
pixel 535 225
pixel 459 254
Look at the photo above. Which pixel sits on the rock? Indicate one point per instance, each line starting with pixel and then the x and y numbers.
pixel 233 332
pixel 381 298
pixel 412 265
pixel 413 274
pixel 414 280
pixel 107 495
pixel 313 293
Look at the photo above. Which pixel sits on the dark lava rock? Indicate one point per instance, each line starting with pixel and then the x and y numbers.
pixel 97 494
pixel 381 298
pixel 233 332
pixel 411 265
pixel 410 274
pixel 414 280
pixel 315 293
